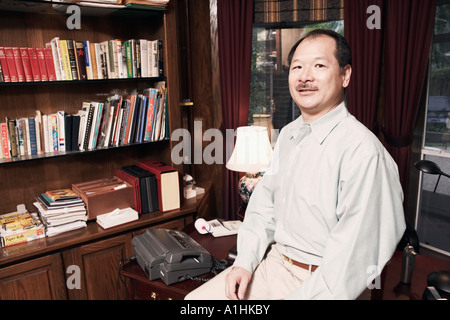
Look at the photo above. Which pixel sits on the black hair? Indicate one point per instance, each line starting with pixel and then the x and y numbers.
pixel 343 53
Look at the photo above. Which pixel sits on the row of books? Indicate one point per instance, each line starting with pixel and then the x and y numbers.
pixel 66 59
pixel 120 120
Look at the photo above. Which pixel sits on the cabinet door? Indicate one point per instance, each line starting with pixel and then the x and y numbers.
pixel 98 264
pixel 40 278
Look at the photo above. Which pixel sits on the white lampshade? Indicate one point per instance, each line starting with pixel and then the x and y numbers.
pixel 252 152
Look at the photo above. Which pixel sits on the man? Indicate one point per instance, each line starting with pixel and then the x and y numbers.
pixel 328 214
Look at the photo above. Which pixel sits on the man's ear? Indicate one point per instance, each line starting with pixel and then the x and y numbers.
pixel 346 75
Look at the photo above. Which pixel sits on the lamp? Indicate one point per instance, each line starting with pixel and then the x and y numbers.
pixel 430 167
pixel 251 154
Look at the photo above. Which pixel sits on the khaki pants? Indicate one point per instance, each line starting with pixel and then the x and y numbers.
pixel 274 278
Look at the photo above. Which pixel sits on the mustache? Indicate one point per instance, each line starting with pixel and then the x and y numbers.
pixel 305 86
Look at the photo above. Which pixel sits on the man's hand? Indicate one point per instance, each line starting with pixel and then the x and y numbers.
pixel 236 283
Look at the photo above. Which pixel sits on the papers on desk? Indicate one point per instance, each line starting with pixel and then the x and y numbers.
pixel 224 228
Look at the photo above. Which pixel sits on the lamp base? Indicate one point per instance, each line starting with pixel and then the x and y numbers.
pixel 246 186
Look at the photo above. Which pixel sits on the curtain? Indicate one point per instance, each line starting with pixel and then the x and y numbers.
pixel 234 19
pixel 366 45
pixel 408 35
pixel 281 12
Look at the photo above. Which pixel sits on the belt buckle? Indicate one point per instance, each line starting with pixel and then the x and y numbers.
pixel 288 259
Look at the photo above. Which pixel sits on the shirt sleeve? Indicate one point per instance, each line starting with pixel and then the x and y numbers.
pixel 258 228
pixel 370 224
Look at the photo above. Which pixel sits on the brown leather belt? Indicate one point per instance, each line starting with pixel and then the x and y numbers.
pixel 299 264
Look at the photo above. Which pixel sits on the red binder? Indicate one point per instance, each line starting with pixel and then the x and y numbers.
pixel 168 184
pixel 134 181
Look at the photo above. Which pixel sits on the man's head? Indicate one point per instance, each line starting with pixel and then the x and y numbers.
pixel 319 72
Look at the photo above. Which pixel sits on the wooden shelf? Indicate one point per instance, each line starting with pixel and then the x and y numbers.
pixel 61 154
pixel 70 82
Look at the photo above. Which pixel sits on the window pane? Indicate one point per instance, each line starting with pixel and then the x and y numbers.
pixel 434 219
pixel 438 115
pixel 270 101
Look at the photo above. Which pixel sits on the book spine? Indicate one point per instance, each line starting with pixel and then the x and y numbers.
pixel 98 72
pixel 129 58
pixel 26 64
pixel 35 70
pixel 19 64
pixel 81 60
pixel 93 69
pixel 32 130
pixel 144 58
pixel 61 130
pixel 138 58
pixel 4 64
pixel 39 134
pixel 45 127
pixel 53 132
pixel 57 59
pixel 149 121
pixel 20 136
pixel 72 59
pixel 88 128
pixel 87 59
pixel 27 143
pixel 49 64
pixel 160 59
pixel 65 60
pixel 11 64
pixel 5 140
pixel 12 137
pixel 41 63
pixel 110 60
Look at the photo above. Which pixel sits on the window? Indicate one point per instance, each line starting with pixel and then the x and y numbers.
pixel 270 102
pixel 433 218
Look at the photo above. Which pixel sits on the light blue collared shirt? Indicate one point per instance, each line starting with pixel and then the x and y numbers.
pixel 332 198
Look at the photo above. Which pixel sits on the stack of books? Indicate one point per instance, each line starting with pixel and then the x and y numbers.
pixel 60 211
pixel 20 226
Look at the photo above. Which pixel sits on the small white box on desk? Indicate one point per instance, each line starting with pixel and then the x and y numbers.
pixel 117 217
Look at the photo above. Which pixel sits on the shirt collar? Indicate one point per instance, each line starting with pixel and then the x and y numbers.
pixel 322 127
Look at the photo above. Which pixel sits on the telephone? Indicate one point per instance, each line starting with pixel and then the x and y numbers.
pixel 170 255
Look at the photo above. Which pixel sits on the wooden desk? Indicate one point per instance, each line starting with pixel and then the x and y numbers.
pixel 140 287
pixel 424 265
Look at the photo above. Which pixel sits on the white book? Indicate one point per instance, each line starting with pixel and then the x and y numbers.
pixel 38 122
pixel 61 115
pixel 45 131
pixel 57 59
pixel 93 124
pixel 83 118
pixel 154 61
pixel 108 126
pixel 144 58
pixel 27 143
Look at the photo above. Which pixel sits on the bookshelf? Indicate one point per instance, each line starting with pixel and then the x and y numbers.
pixel 33 24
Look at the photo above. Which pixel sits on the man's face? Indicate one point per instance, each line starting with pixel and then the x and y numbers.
pixel 316 82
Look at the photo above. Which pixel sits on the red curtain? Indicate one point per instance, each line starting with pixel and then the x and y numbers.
pixel 234 19
pixel 408 34
pixel 366 45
